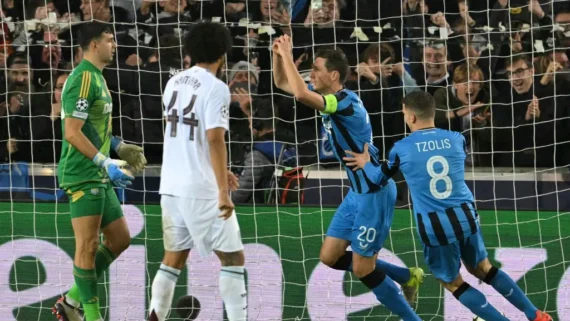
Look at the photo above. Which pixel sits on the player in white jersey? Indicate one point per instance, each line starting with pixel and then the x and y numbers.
pixel 197 211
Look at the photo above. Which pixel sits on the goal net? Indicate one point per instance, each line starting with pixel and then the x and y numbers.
pixel 498 71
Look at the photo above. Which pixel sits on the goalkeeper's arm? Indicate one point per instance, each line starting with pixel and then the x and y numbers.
pixel 298 87
pixel 77 139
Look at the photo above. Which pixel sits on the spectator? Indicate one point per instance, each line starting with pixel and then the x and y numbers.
pixel 243 72
pixel 46 121
pixel 243 78
pixel 48 49
pixel 415 14
pixel 259 163
pixel 464 106
pixel 6 50
pixel 155 19
pixel 434 72
pixel 562 18
pixel 380 67
pixel 324 15
pixel 15 111
pixel 143 121
pixel 464 103
pixel 100 10
pixel 374 72
pixel 273 11
pixel 524 119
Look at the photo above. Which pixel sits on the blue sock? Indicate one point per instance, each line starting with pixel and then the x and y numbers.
pixel 503 283
pixel 477 303
pixel 397 273
pixel 388 294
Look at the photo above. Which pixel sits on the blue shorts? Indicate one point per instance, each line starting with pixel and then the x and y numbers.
pixel 365 219
pixel 445 261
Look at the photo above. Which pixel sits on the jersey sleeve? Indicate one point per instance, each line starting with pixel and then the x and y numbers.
pixel 78 98
pixel 217 111
pixel 338 102
pixel 389 168
pixel 167 97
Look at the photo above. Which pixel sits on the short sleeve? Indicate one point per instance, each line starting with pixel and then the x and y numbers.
pixel 167 97
pixel 217 111
pixel 77 99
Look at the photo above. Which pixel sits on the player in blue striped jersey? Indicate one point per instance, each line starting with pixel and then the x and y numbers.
pixel 433 163
pixel 363 219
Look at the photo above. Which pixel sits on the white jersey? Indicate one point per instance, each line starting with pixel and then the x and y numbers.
pixel 195 101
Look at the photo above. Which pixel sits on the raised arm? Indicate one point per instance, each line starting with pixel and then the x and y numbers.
pixel 298 87
pixel 279 75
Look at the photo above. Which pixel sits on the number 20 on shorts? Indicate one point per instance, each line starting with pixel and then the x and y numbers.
pixel 367 235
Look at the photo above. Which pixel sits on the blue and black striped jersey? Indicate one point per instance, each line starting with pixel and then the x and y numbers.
pixel 347 125
pixel 433 163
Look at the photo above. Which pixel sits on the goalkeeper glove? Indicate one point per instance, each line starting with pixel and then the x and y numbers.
pixel 118 176
pixel 132 154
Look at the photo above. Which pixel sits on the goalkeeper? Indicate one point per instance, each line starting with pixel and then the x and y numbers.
pixel 87 174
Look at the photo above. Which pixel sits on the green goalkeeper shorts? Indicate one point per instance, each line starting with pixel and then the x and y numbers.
pixel 95 199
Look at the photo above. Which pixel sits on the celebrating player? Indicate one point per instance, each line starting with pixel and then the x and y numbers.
pixel 433 163
pixel 86 172
pixel 195 182
pixel 364 217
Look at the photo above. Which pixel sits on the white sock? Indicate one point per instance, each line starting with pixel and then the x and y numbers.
pixel 163 291
pixel 232 290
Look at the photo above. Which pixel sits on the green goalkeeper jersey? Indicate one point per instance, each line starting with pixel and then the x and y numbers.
pixel 85 96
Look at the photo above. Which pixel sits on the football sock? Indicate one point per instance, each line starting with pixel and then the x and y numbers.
pixel 232 291
pixel 86 280
pixel 397 273
pixel 163 291
pixel 103 260
pixel 389 294
pixel 503 283
pixel 477 303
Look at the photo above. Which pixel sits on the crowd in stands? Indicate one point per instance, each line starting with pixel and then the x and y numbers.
pixel 498 70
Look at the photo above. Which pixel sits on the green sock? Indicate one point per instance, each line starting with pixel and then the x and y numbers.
pixel 86 281
pixel 103 260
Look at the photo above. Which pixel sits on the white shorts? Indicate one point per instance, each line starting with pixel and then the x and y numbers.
pixel 189 223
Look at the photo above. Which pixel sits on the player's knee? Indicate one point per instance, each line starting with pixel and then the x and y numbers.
pixel 175 260
pixel 124 245
pixel 231 259
pixel 118 245
pixel 454 285
pixel 490 275
pixel 362 268
pixel 327 259
pixel 483 269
